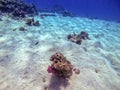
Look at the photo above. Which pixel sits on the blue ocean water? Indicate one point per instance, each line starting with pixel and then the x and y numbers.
pixel 100 9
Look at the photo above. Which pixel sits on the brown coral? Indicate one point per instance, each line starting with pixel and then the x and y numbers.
pixel 61 65
pixel 57 56
pixel 77 38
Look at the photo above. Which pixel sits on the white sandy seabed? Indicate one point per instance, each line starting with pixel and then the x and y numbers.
pixel 23 63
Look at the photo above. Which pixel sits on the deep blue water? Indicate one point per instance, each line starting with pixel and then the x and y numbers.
pixel 100 9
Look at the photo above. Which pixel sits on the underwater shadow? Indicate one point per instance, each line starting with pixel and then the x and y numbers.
pixel 57 82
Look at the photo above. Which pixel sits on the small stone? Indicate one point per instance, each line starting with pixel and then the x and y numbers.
pixel 79 41
pixel 14 29
pixel 36 23
pixel 45 87
pixel 22 29
pixel 77 71
pixel 84 35
pixel 44 80
pixel 85 49
pixel 74 69
pixel 69 36
pixel 1 19
pixel 36 43
pixel 96 70
pixel 59 37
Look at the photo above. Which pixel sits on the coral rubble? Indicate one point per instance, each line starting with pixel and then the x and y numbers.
pixel 77 38
pixel 61 66
pixel 17 8
pixel 31 21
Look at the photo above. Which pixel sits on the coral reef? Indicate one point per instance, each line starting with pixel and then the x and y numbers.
pixel 66 13
pixel 77 38
pixel 17 8
pixel 56 9
pixel 61 66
